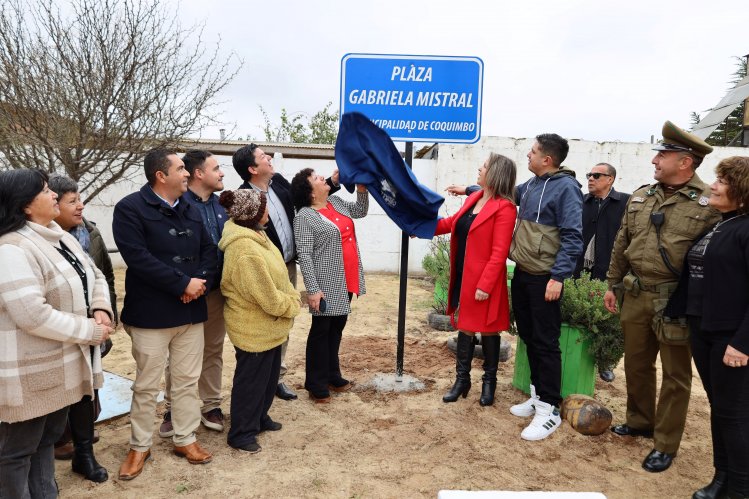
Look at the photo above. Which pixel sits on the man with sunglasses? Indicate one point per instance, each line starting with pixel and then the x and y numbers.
pixel 660 223
pixel 603 208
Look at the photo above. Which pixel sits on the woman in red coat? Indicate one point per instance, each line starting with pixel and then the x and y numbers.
pixel 480 236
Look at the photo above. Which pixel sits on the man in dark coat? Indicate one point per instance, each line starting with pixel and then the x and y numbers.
pixel 171 262
pixel 206 178
pixel 603 208
pixel 256 170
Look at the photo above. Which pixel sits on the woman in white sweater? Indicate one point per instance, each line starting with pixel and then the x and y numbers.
pixel 54 314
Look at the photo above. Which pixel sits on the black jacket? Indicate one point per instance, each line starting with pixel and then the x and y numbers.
pixel 163 248
pixel 282 188
pixel 725 304
pixel 604 224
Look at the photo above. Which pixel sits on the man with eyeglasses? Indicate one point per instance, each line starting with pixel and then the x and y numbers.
pixel 660 223
pixel 603 208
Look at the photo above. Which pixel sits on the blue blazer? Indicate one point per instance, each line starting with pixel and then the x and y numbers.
pixel 163 248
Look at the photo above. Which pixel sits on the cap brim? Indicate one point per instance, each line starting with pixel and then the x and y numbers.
pixel 672 147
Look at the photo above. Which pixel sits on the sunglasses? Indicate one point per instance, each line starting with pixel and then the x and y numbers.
pixel 596 175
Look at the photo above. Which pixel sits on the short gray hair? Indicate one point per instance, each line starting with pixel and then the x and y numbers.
pixel 609 169
pixel 62 184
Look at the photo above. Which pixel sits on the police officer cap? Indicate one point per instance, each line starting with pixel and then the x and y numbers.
pixel 676 139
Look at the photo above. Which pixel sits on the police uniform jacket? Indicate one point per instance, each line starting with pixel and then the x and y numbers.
pixel 603 223
pixel 686 216
pixel 163 248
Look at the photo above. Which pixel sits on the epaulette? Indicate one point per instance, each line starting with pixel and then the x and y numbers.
pixel 650 187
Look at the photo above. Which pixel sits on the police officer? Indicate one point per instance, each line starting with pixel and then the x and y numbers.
pixel 659 225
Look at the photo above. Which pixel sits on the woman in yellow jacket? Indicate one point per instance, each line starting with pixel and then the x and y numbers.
pixel 259 311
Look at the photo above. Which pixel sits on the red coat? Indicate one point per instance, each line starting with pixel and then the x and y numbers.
pixel 485 264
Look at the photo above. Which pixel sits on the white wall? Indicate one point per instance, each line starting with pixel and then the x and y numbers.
pixel 380 239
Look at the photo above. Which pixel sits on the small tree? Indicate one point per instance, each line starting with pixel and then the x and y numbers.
pixel 322 128
pixel 87 92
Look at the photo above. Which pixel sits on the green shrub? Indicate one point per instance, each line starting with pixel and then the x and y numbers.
pixel 582 307
pixel 436 264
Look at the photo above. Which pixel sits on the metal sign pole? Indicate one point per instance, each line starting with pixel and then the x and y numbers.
pixel 403 285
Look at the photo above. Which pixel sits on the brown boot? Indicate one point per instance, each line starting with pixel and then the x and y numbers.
pixel 64 452
pixel 133 464
pixel 194 453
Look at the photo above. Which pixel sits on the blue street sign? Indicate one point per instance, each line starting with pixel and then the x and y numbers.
pixel 416 98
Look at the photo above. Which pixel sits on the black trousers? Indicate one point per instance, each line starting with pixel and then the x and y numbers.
pixel 539 325
pixel 323 343
pixel 255 381
pixel 27 459
pixel 728 392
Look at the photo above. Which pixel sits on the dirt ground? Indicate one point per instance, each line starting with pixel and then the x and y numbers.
pixel 370 445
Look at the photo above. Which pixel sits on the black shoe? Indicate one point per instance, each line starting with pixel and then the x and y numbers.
pixel 490 346
pixel 628 431
pixel 252 448
pixel 270 425
pixel 608 375
pixel 284 393
pixel 730 494
pixel 715 489
pixel 81 417
pixel 657 461
pixel 463 358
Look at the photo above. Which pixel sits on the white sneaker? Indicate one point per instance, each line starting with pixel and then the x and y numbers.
pixel 526 408
pixel 544 423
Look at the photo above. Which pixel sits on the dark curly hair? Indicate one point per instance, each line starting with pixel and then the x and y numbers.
pixel 301 189
pixel 735 172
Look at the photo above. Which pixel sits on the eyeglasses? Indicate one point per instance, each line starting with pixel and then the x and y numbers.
pixel 596 175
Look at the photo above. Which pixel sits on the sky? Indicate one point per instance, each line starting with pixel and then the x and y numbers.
pixel 593 70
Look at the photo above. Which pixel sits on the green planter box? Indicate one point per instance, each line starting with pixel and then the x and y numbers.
pixel 578 366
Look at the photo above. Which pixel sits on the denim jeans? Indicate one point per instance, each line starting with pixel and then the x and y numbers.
pixel 27 459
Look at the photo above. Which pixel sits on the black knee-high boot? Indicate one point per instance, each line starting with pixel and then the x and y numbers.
pixel 715 489
pixel 81 417
pixel 463 358
pixel 490 345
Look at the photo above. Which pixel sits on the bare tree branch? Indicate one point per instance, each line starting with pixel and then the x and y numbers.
pixel 87 92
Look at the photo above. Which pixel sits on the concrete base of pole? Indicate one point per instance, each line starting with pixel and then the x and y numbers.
pixel 390 382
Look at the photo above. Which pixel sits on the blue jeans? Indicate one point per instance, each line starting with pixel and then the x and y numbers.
pixel 27 459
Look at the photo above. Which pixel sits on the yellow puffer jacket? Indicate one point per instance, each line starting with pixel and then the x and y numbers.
pixel 261 303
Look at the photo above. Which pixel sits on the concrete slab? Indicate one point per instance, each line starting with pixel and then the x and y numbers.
pixel 383 382
pixel 116 395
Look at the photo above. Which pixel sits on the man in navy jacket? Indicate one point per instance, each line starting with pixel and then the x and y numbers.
pixel 171 262
pixel 254 167
pixel 206 178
